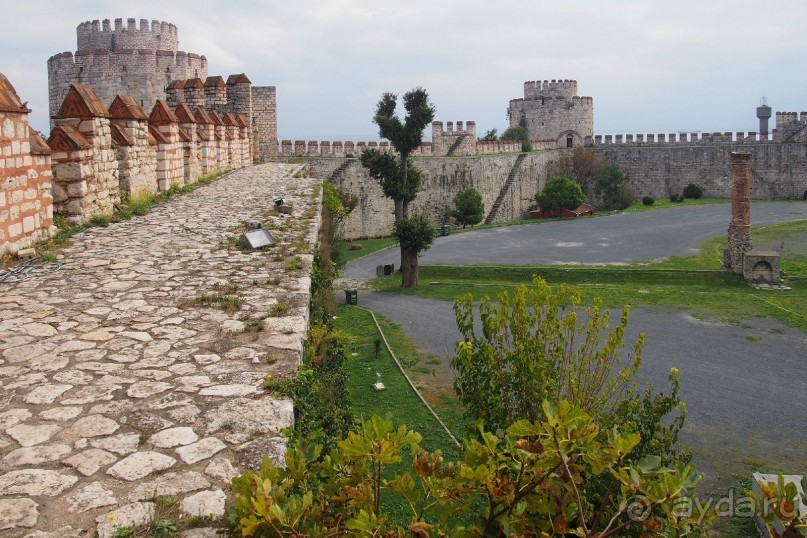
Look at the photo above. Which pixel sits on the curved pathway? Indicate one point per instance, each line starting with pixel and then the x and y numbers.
pixel 619 238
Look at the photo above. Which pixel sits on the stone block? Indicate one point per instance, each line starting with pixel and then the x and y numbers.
pixel 761 266
pixel 15 230
pixel 77 189
pixel 28 224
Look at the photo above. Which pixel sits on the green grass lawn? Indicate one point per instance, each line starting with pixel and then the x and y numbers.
pixel 694 284
pixel 665 203
pixel 368 247
pixel 398 402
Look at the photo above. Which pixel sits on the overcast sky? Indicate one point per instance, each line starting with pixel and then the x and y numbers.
pixel 651 66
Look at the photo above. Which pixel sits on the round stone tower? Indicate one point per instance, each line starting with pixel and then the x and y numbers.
pixel 553 114
pixel 124 59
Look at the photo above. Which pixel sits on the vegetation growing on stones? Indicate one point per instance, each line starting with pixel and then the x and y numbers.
pixel 581 165
pixel 321 405
pixel 468 207
pixel 398 178
pixel 560 193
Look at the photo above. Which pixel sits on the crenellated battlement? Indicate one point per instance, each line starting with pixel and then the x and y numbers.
pixel 154 35
pixel 122 57
pixel 550 88
pixel 680 139
pixel 555 100
pixel 451 141
pixel 327 148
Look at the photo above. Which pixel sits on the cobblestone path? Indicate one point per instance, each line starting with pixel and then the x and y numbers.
pixel 123 379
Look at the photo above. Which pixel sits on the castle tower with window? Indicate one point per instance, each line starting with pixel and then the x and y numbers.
pixel 553 113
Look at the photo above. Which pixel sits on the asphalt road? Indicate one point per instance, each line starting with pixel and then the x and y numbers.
pixel 620 238
pixel 745 385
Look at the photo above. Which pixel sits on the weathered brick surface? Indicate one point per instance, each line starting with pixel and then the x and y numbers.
pixel 26 203
pixel 740 226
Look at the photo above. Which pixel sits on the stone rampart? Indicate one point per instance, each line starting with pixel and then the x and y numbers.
pixel 328 148
pixel 661 169
pixel 98 156
pixel 455 142
pixel 145 64
pixel 26 203
pixel 157 35
pixel 444 177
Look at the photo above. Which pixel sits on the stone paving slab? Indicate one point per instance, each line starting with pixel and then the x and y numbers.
pixel 120 380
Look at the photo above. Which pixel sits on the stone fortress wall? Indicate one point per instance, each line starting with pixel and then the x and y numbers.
pixel 444 177
pixel 657 164
pixel 98 156
pixel 145 63
pixel 126 60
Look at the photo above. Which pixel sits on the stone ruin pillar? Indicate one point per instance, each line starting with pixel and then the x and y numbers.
pixel 740 227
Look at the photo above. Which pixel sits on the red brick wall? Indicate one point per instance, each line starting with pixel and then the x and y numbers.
pixel 26 205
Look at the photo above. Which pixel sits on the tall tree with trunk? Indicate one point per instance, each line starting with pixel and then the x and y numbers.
pixel 398 178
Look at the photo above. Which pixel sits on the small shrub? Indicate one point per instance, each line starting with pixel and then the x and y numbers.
pixel 625 197
pixel 254 325
pixel 125 532
pixel 804 197
pixel 676 198
pixel 693 191
pixel 648 200
pixel 294 264
pixel 279 309
pixel 228 303
pixel 100 220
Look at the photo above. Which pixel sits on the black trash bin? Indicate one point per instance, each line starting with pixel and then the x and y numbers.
pixel 389 269
pixel 352 296
pixel 445 230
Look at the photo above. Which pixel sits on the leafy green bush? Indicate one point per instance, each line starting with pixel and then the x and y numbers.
pixel 693 191
pixel 625 197
pixel 676 198
pixel 535 480
pixel 648 200
pixel 538 343
pixel 560 193
pixel 612 189
pixel 469 208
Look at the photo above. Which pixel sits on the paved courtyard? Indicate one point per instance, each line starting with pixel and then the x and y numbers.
pixel 122 379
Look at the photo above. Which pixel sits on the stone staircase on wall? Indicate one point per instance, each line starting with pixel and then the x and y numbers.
pixel 337 174
pixel 511 177
pixel 460 139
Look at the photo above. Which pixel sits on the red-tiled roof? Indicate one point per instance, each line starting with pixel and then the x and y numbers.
pixel 124 107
